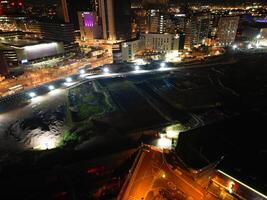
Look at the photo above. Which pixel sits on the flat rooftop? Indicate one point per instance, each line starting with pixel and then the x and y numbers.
pixel 20 42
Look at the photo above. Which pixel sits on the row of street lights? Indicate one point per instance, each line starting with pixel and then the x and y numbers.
pixel 106 70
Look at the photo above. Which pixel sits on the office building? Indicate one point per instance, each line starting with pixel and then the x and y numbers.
pixel 227 29
pixel 11 7
pixel 153 21
pixel 88 25
pixel 16 52
pixel 197 30
pixel 166 24
pixel 116 19
pixel 131 48
pixel 161 43
pixel 190 33
pixel 57 32
pixel 55 11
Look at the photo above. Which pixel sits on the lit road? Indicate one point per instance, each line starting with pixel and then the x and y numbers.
pixel 153 178
pixel 57 97
pixel 50 101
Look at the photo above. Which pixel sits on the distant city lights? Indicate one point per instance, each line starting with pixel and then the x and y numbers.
pixel 140 61
pixel 173 56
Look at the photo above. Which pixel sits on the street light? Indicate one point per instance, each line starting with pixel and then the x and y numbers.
pixel 69 79
pixel 234 46
pixel 82 71
pixel 106 70
pixel 163 64
pixel 137 68
pixel 32 94
pixel 258 36
pixel 51 87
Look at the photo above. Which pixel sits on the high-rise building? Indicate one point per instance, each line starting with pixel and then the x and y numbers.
pixel 88 25
pixel 190 33
pixel 161 42
pixel 197 30
pixel 156 42
pixel 227 29
pixel 65 11
pixel 74 6
pixel 9 7
pixel 153 21
pixel 116 18
pixel 57 32
pixel 55 11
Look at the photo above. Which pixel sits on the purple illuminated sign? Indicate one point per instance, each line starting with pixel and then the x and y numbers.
pixel 262 20
pixel 88 19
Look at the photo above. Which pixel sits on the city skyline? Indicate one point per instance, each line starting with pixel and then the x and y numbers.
pixel 133 99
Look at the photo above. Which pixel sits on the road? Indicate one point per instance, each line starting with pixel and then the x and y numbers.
pixel 49 101
pixel 153 178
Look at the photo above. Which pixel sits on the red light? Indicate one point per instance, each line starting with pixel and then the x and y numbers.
pixel 60 194
pixel 95 170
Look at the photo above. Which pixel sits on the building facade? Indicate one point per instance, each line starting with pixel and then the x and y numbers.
pixel 88 25
pixel 116 19
pixel 227 29
pixel 157 42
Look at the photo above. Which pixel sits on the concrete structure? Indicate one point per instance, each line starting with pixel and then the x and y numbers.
pixel 65 12
pixel 197 29
pixel 57 32
pixel 21 51
pixel 157 42
pixel 11 7
pixel 227 29
pixel 161 42
pixel 130 48
pixel 88 25
pixel 116 19
pixel 107 16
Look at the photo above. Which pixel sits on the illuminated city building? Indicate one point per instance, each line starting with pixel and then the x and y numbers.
pixel 16 52
pixel 88 25
pixel 161 42
pixel 156 42
pixel 116 19
pixel 131 48
pixel 60 33
pixel 11 7
pixel 153 21
pixel 198 28
pixel 227 29
pixel 57 32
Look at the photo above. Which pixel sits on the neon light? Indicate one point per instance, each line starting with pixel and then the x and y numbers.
pixel 262 20
pixel 88 19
